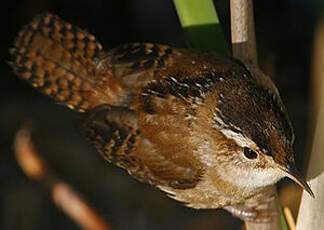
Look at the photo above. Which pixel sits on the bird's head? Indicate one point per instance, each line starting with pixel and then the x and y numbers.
pixel 256 143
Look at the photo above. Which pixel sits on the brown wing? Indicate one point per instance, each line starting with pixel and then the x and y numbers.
pixel 114 132
pixel 67 64
pixel 58 59
pixel 137 64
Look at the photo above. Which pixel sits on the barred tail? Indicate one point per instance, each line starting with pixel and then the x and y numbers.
pixel 57 58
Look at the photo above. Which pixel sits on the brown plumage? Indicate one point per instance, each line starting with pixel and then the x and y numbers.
pixel 209 131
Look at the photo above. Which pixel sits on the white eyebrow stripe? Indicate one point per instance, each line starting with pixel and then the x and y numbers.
pixel 240 139
pixel 237 136
pixel 219 123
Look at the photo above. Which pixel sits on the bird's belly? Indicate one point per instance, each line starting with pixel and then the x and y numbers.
pixel 208 196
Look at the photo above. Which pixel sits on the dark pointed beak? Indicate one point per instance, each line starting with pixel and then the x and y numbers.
pixel 293 174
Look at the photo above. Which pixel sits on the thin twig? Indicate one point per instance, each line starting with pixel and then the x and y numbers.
pixel 244 48
pixel 290 219
pixel 63 195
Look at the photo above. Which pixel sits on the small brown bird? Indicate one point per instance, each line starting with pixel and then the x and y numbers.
pixel 209 131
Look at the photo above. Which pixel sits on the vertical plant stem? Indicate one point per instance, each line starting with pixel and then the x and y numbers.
pixel 311 211
pixel 242 31
pixel 244 48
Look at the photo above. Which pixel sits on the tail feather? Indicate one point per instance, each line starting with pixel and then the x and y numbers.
pixel 57 58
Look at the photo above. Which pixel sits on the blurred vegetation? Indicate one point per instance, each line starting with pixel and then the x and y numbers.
pixel 284 40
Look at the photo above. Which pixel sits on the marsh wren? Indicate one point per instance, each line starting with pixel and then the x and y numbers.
pixel 210 131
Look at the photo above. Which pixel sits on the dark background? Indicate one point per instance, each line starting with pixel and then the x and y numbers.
pixel 284 30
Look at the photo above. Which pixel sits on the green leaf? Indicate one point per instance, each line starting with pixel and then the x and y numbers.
pixel 201 25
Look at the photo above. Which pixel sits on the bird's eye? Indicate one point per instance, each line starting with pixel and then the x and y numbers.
pixel 249 153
